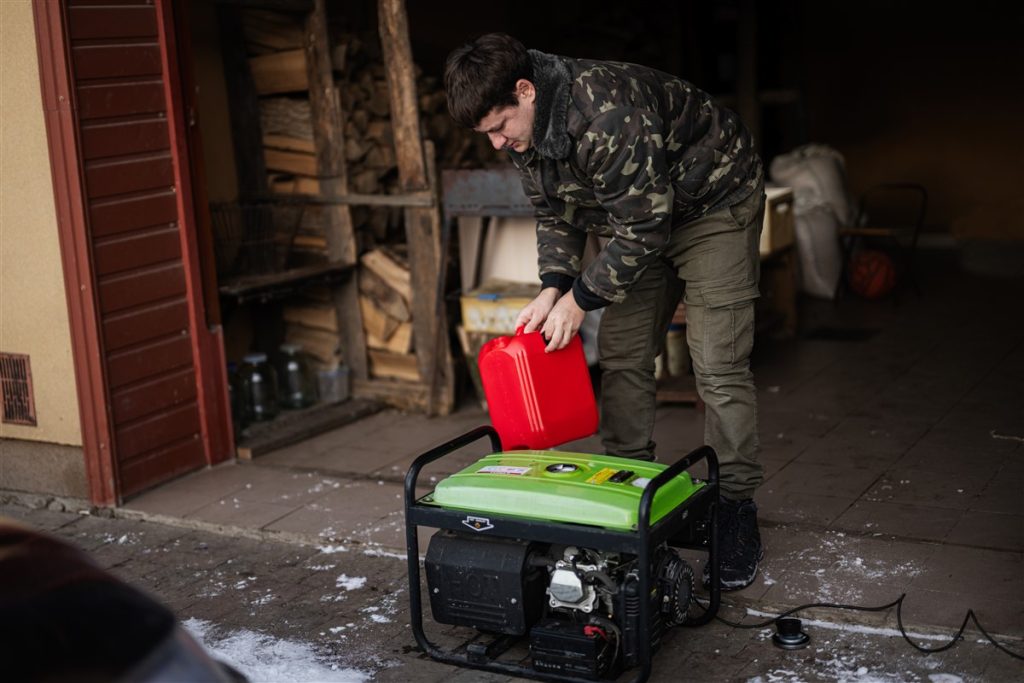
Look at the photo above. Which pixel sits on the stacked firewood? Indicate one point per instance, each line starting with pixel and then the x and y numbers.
pixel 385 300
pixel 277 64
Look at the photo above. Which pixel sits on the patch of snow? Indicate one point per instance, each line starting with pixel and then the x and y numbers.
pixel 376 552
pixel 265 659
pixel 331 549
pixel 351 583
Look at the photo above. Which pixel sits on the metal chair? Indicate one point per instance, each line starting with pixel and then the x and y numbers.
pixel 889 216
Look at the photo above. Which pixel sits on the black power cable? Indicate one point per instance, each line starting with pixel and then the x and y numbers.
pixel 898 604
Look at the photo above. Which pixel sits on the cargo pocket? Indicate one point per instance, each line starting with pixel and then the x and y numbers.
pixel 746 212
pixel 728 333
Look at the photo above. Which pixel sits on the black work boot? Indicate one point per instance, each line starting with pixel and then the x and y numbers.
pixel 739 544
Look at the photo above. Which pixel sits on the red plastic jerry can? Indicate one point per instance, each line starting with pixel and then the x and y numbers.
pixel 537 400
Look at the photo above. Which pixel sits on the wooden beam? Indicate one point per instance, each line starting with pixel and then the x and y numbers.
pixel 328 133
pixel 422 226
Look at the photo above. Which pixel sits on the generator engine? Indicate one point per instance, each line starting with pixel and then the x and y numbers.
pixel 580 607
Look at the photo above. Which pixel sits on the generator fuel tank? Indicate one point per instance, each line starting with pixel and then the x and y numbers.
pixel 597 490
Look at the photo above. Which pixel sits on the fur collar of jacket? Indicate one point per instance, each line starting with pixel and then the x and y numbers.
pixel 553 82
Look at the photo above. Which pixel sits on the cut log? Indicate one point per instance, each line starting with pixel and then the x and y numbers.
pixel 399 342
pixel 289 143
pixel 390 301
pixel 381 156
pixel 361 120
pixel 320 344
pixel 319 317
pixel 393 365
pixel 286 116
pixel 310 242
pixel 376 322
pixel 355 149
pixel 379 103
pixel 294 184
pixel 410 396
pixel 279 72
pixel 396 277
pixel 271 31
pixel 381 131
pixel 290 162
pixel 366 181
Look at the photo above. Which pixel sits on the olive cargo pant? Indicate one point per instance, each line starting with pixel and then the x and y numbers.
pixel 716 258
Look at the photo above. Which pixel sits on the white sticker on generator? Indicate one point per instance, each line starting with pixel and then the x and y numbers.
pixel 503 469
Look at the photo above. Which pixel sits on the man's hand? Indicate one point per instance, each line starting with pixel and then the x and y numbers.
pixel 562 322
pixel 536 312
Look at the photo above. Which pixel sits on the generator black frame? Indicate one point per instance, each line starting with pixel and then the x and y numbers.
pixel 677 528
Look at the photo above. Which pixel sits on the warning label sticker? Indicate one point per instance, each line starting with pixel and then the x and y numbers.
pixel 601 476
pixel 503 469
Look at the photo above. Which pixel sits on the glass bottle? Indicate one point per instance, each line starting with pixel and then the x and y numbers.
pixel 259 387
pixel 296 383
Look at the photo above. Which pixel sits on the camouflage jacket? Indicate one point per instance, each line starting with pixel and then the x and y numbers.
pixel 628 153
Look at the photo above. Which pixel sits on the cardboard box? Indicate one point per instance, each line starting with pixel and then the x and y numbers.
pixel 494 306
pixel 779 228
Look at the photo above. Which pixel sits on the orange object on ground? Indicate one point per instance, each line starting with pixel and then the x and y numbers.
pixel 872 273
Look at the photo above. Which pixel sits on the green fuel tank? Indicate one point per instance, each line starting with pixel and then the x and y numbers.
pixel 596 490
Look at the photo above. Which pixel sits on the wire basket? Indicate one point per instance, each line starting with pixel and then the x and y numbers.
pixel 254 238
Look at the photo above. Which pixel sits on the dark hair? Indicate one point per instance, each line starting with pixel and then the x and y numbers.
pixel 482 75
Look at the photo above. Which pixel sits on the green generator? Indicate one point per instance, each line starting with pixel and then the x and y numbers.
pixel 571 555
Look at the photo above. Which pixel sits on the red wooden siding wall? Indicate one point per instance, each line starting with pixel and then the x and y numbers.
pixel 134 229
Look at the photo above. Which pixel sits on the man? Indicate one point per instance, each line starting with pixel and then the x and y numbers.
pixel 672 180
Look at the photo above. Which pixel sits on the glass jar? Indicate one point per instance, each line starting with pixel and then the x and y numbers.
pixel 296 381
pixel 258 383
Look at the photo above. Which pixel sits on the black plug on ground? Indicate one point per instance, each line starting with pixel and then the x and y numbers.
pixel 788 635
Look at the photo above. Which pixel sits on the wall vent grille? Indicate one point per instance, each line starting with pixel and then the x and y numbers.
pixel 19 406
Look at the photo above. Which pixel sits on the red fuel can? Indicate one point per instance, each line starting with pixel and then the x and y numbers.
pixel 537 399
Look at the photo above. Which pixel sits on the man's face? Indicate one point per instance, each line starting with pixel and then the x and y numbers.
pixel 511 127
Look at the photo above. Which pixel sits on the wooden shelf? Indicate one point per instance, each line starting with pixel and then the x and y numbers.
pixel 293 426
pixel 282 284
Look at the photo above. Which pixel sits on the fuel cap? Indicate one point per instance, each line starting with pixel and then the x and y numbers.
pixel 562 468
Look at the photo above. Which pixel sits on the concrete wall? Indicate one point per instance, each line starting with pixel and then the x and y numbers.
pixel 918 94
pixel 33 307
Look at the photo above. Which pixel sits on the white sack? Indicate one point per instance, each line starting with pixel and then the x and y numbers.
pixel 821 206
